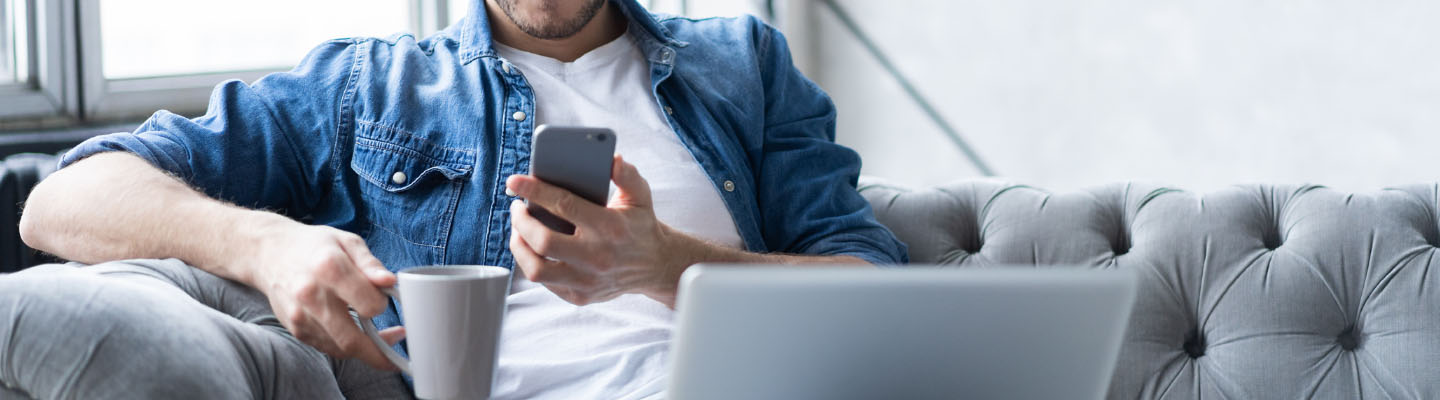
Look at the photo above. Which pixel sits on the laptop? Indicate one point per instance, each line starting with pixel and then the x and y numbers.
pixel 771 332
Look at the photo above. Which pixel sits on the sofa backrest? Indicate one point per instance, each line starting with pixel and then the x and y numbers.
pixel 1254 292
pixel 18 175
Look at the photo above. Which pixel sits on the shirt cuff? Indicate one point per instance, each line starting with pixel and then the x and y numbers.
pixel 154 147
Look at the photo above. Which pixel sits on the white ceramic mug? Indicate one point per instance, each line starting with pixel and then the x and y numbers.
pixel 452 316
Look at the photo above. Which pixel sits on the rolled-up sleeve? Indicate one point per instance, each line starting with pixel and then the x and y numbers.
pixel 807 182
pixel 262 145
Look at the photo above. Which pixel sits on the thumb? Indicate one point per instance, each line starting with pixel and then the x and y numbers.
pixel 392 335
pixel 634 190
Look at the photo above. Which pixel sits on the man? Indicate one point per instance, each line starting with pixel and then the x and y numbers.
pixel 372 156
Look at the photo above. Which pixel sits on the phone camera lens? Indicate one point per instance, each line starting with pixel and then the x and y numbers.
pixel 602 137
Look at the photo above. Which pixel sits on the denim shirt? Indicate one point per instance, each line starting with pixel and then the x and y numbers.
pixel 408 143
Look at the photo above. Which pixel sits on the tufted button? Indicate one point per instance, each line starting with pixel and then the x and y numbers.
pixel 1271 237
pixel 972 238
pixel 1349 339
pixel 1272 241
pixel 1121 244
pixel 399 178
pixel 1195 344
pixel 518 116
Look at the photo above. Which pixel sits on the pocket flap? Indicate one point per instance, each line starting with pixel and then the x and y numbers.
pixel 397 160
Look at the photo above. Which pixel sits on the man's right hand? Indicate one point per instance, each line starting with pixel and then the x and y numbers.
pixel 313 276
pixel 92 210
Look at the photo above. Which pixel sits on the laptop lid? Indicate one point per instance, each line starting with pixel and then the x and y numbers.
pixel 769 332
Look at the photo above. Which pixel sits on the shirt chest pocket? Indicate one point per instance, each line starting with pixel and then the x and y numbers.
pixel 410 188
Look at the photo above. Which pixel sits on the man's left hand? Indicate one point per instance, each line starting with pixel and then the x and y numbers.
pixel 616 249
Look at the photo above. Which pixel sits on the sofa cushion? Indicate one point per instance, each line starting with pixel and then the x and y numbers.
pixel 1258 291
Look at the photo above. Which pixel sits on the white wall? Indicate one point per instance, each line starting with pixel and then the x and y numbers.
pixel 1065 94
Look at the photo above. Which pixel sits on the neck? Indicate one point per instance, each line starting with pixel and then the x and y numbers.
pixel 607 25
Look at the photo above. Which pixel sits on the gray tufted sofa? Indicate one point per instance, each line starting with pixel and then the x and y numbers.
pixel 1253 292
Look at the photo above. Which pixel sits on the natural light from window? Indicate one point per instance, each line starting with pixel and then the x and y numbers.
pixel 6 49
pixel 155 38
pixel 458 9
pixel 13 59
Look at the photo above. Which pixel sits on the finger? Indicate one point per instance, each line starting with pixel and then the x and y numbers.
pixel 604 294
pixel 352 341
pixel 580 296
pixel 560 202
pixel 541 239
pixel 633 189
pixel 354 287
pixel 301 324
pixel 570 295
pixel 393 335
pixel 360 255
pixel 536 267
pixel 311 333
pixel 588 292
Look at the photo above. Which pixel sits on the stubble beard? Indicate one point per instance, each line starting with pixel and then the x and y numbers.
pixel 552 29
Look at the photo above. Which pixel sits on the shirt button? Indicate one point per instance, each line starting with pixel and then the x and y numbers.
pixel 399 178
pixel 506 67
pixel 729 186
pixel 669 111
pixel 518 116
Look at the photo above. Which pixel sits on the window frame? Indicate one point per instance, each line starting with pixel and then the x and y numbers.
pixel 48 91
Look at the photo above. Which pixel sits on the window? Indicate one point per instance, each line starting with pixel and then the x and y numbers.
pixel 12 31
pixel 31 68
pixel 458 9
pixel 144 55
pixel 68 61
pixel 251 35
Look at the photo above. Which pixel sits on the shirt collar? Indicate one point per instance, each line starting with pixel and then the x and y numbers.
pixel 475 40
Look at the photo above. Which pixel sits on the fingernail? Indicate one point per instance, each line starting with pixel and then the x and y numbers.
pixel 517 203
pixel 509 192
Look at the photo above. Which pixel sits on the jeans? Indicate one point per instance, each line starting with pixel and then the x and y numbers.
pixel 148 329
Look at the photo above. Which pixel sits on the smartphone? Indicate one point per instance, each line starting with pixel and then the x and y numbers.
pixel 574 158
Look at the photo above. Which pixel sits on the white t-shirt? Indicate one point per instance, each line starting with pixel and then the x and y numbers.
pixel 551 349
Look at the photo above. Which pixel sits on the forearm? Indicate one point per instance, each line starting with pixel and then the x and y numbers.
pixel 117 206
pixel 684 251
pixel 688 250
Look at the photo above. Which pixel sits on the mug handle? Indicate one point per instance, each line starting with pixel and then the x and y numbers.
pixel 374 334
